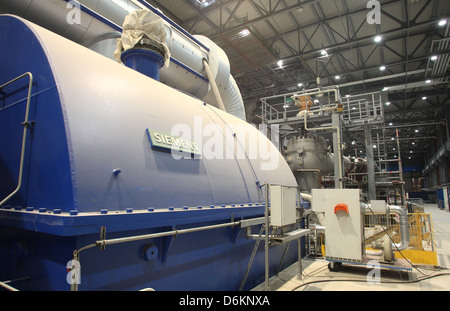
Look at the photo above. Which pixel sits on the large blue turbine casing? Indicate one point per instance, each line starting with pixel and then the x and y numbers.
pixel 91 117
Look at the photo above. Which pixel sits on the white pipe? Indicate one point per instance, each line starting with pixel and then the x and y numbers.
pixel 306 197
pixel 213 84
pixel 10 288
pixel 266 237
pixel 374 252
pixel 232 99
pixel 319 92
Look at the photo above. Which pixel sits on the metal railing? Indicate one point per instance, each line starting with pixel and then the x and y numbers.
pixel 363 108
pixel 356 108
pixel 26 124
pixel 421 248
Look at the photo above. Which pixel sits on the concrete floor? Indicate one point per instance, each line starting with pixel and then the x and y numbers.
pixel 317 277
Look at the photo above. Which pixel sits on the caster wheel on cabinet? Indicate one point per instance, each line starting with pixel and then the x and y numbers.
pixel 334 266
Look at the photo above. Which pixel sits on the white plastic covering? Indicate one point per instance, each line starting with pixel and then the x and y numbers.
pixel 142 24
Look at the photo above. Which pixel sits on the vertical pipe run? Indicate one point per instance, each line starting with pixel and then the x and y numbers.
pixel 400 168
pixel 266 242
pixel 337 147
pixel 213 84
pixel 299 259
pixel 25 133
pixel 370 162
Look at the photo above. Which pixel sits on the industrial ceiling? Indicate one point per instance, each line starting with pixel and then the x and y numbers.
pixel 257 35
pixel 282 46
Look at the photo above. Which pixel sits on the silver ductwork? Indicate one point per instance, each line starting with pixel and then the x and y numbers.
pixel 56 16
pixel 403 219
pixel 99 26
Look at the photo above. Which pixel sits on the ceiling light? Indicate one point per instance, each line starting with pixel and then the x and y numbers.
pixel 300 84
pixel 280 63
pixel 388 103
pixel 244 32
pixel 442 22
pixel 324 53
pixel 424 98
pixel 205 3
pixel 392 138
pixel 413 143
pixel 374 146
pixel 337 77
pixel 385 89
pixel 417 131
pixel 378 38
pixel 383 68
pixel 390 124
pixel 428 81
pixel 434 57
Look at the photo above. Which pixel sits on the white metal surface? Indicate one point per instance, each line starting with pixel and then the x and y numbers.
pixel 283 205
pixel 343 230
pixel 378 205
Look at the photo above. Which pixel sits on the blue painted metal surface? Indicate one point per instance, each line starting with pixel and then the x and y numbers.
pixel 144 61
pixel 89 165
pixel 50 136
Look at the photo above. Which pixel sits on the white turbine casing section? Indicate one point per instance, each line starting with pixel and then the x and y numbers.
pixel 100 37
pixel 53 15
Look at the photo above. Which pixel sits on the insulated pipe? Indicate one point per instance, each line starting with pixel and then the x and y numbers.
pixel 266 238
pixel 320 216
pixel 306 197
pixel 213 84
pixel 99 17
pixel 404 223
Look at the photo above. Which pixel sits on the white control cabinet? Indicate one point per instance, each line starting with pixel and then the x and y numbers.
pixel 343 222
pixel 283 200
